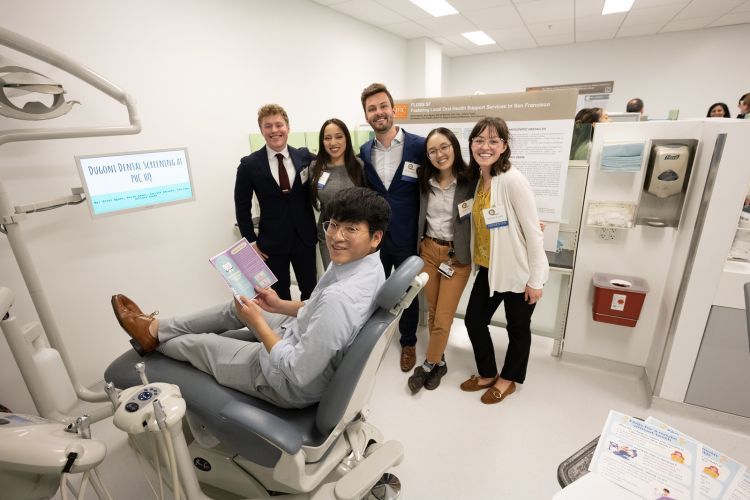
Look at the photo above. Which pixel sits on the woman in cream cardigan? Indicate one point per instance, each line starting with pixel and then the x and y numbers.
pixel 508 249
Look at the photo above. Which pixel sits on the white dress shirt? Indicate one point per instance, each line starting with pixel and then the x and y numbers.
pixel 386 160
pixel 288 165
pixel 440 210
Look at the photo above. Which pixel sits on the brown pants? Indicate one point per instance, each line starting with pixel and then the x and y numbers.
pixel 443 295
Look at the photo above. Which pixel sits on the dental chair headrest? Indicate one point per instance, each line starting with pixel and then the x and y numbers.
pixel 398 282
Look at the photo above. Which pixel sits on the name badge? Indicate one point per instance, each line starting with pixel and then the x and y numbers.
pixel 494 217
pixel 446 270
pixel 323 179
pixel 303 174
pixel 409 174
pixel 464 208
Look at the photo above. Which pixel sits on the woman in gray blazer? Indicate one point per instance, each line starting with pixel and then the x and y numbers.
pixel 446 188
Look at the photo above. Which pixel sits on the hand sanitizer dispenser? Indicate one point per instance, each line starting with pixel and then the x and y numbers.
pixel 668 174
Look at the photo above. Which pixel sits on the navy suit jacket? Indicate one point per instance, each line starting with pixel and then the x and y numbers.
pixel 282 215
pixel 402 196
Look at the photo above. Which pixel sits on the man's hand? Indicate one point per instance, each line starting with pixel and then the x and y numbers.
pixel 255 246
pixel 268 300
pixel 249 312
pixel 532 295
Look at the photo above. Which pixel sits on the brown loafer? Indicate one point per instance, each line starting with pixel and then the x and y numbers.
pixel 135 324
pixel 408 357
pixel 493 395
pixel 121 301
pixel 473 385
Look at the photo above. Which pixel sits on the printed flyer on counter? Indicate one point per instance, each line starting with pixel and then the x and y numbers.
pixel 717 473
pixel 644 459
pixel 243 269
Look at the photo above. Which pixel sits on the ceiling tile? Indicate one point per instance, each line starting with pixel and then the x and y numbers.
pixel 555 39
pixel 448 25
pixel 585 8
pixel 733 18
pixel 652 15
pixel 407 29
pixel 590 36
pixel 405 8
pixel 465 5
pixel 460 41
pixel 549 29
pixel 712 8
pixel 745 7
pixel 513 38
pixel 600 23
pixel 498 17
pixel 542 11
pixel 687 24
pixel 647 4
pixel 328 2
pixel 369 12
pixel 638 29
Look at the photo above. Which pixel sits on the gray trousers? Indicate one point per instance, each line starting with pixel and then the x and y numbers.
pixel 212 341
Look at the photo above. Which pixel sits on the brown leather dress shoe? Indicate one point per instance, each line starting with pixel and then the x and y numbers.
pixel 493 395
pixel 135 323
pixel 473 385
pixel 408 357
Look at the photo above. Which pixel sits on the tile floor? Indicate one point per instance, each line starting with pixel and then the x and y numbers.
pixel 456 448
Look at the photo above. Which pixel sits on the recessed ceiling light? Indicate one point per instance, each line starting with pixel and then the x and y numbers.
pixel 615 6
pixel 437 8
pixel 479 38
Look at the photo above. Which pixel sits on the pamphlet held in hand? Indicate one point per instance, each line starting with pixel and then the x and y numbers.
pixel 243 269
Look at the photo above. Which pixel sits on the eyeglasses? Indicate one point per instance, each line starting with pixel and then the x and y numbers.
pixel 347 232
pixel 495 142
pixel 443 150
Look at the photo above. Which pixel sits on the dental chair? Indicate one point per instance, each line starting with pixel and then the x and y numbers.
pixel 249 448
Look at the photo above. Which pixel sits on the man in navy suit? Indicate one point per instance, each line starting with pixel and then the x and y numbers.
pixel 391 162
pixel 277 174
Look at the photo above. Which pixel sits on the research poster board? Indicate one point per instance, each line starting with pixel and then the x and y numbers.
pixel 541 128
pixel 590 95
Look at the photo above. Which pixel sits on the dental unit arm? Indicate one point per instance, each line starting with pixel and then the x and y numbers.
pixel 17 79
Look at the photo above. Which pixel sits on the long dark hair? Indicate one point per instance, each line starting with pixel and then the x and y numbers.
pixel 460 169
pixel 353 168
pixel 501 129
pixel 723 105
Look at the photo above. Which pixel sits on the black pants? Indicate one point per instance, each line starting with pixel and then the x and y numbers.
pixel 407 325
pixel 479 312
pixel 304 264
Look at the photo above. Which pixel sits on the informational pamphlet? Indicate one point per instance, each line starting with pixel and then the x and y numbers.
pixel 742 488
pixel 658 462
pixel 717 473
pixel 646 460
pixel 243 269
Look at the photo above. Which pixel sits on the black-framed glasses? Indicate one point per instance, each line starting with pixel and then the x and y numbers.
pixel 494 142
pixel 348 231
pixel 442 149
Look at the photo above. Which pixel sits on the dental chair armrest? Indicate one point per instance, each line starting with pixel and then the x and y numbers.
pixel 270 427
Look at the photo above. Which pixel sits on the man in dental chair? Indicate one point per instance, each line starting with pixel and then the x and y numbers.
pixel 291 349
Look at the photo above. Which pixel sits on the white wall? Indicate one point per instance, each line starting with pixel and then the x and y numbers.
pixel 688 70
pixel 199 71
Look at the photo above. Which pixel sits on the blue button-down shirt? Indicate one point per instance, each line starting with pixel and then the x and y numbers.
pixel 300 366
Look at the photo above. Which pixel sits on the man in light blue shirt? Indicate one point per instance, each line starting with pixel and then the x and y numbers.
pixel 291 349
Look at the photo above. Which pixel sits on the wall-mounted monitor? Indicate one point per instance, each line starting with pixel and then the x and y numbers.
pixel 121 182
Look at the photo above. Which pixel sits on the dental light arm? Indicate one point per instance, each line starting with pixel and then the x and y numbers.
pixel 48 55
pixel 10 219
